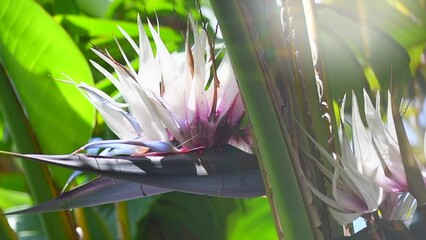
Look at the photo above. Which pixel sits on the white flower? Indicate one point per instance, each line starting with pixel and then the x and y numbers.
pixel 384 165
pixel 167 101
pixel 354 194
pixel 369 175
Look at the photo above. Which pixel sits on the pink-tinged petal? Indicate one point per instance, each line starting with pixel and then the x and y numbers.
pixel 236 111
pixel 240 143
pixel 326 199
pixel 393 162
pixel 348 159
pixel 170 120
pixel 371 193
pixel 141 108
pixel 387 147
pixel 228 91
pixel 346 198
pixel 369 162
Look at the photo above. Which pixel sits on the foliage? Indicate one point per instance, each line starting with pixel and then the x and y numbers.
pixel 34 58
pixel 41 41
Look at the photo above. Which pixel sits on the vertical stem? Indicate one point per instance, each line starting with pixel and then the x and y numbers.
pixel 253 77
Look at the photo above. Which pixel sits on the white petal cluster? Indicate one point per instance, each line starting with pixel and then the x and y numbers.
pixel 167 100
pixel 369 174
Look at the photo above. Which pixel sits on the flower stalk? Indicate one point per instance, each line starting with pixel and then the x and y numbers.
pixel 269 131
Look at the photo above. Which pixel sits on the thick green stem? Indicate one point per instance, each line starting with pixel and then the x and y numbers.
pixel 253 76
pixel 56 225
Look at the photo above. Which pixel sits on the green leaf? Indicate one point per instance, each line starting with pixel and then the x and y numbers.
pixel 186 216
pixel 137 210
pixel 251 220
pixel 372 46
pixel 89 32
pixel 13 181
pixel 344 72
pixel 34 57
pixel 405 21
pixel 28 227
pixel 103 31
pixel 10 198
pixel 40 112
pixel 93 224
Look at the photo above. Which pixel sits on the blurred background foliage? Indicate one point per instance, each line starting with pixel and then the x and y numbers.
pixel 365 44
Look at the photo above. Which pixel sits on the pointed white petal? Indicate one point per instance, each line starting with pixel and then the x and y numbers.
pixel 326 199
pixel 168 67
pixel 129 65
pixel 240 144
pixel 131 41
pixel 119 121
pixel 363 148
pixel 390 123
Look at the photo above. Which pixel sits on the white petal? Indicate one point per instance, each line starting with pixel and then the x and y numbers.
pixel 108 75
pixel 363 147
pixel 168 67
pixel 326 199
pixel 117 119
pixel 390 123
pixel 346 198
pixel 240 144
pixel 228 90
pixel 149 69
pixel 129 65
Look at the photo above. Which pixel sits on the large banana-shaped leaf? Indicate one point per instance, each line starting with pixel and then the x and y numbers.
pixel 34 57
pixel 375 50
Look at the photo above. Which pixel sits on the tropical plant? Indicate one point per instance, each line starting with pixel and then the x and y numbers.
pixel 293 61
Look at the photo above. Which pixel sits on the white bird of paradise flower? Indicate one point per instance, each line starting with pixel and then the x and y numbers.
pixel 176 132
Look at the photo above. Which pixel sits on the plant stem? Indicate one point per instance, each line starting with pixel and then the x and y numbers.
pixel 253 76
